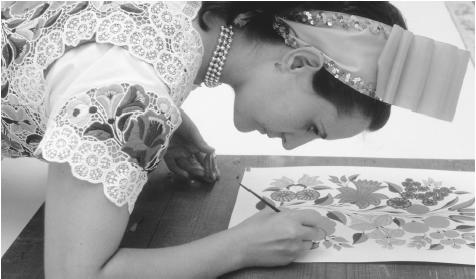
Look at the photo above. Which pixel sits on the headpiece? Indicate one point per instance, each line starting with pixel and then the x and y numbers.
pixel 386 63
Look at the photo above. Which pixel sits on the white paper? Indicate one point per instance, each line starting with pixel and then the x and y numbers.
pixel 370 229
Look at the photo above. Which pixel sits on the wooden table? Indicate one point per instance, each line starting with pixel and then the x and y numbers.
pixel 169 212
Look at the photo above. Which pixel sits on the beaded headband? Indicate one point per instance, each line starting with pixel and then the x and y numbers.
pixel 386 63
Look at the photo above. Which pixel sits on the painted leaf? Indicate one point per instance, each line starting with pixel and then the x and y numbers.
pixel 437 221
pixel 399 221
pixel 340 239
pixel 392 187
pixel 361 223
pixel 337 247
pixel 461 192
pixel 363 195
pixel 461 218
pixel 418 209
pixel 450 203
pixel 377 207
pixel 465 228
pixel 416 227
pixel 327 243
pixel 436 247
pixel 52 20
pixel 466 210
pixel 353 177
pixel 382 220
pixel 465 204
pixel 327 200
pixel 282 182
pixel 296 203
pixel 272 189
pixel 359 238
pixel 321 187
pixel 79 7
pixel 471 245
pixel 336 215
pixel 335 180
pixel 343 178
pixel 309 181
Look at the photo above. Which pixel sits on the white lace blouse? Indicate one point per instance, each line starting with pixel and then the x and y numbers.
pixel 97 86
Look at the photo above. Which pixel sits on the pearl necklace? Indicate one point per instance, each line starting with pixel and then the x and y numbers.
pixel 217 61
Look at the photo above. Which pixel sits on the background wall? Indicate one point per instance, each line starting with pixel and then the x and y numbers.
pixel 406 135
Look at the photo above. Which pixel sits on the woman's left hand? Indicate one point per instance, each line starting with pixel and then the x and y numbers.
pixel 188 154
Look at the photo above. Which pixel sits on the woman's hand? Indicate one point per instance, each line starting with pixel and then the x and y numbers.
pixel 189 156
pixel 270 239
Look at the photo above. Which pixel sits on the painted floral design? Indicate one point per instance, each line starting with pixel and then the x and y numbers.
pixel 385 213
pixel 363 195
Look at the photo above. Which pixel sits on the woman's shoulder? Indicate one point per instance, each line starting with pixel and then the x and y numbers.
pixel 37 34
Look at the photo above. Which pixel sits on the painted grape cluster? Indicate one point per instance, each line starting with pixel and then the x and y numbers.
pixel 421 215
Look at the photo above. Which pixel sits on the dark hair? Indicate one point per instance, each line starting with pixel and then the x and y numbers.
pixel 260 27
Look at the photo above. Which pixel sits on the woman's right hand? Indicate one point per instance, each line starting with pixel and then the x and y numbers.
pixel 270 239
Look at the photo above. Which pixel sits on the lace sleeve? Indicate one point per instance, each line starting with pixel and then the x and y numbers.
pixel 113 136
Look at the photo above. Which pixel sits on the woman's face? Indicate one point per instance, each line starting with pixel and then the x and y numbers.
pixel 281 103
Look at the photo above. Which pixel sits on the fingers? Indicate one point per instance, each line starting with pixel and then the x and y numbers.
pixel 172 165
pixel 312 234
pixel 306 217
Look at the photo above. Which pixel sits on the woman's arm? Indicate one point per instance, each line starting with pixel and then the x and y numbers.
pixel 83 231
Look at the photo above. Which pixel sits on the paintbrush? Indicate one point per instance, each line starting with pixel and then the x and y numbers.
pixel 261 198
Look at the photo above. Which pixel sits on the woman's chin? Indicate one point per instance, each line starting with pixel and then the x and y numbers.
pixel 242 126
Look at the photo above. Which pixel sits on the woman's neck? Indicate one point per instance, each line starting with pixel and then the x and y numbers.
pixel 242 55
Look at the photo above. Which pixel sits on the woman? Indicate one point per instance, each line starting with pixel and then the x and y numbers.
pixel 95 90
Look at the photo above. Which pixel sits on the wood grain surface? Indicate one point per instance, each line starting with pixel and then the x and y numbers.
pixel 172 211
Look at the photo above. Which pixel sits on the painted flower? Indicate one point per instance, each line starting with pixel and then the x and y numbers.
pixel 78 110
pixel 146 43
pixel 49 48
pixel 283 196
pixel 116 28
pixel 145 136
pixel 363 195
pixel 431 183
pixel 80 27
pixel 453 242
pixel 307 194
pixel 90 161
pixel 399 203
pixel 387 237
pixel 59 144
pixel 28 81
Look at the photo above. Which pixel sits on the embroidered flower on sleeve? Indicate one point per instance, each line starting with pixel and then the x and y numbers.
pixel 80 27
pixel 115 28
pixel 146 43
pixel 90 161
pixel 49 48
pixel 145 137
pixel 109 98
pixel 60 144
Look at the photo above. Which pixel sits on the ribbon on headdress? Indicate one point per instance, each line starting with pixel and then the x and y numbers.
pixel 386 63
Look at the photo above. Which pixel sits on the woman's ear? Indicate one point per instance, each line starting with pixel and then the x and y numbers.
pixel 302 59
